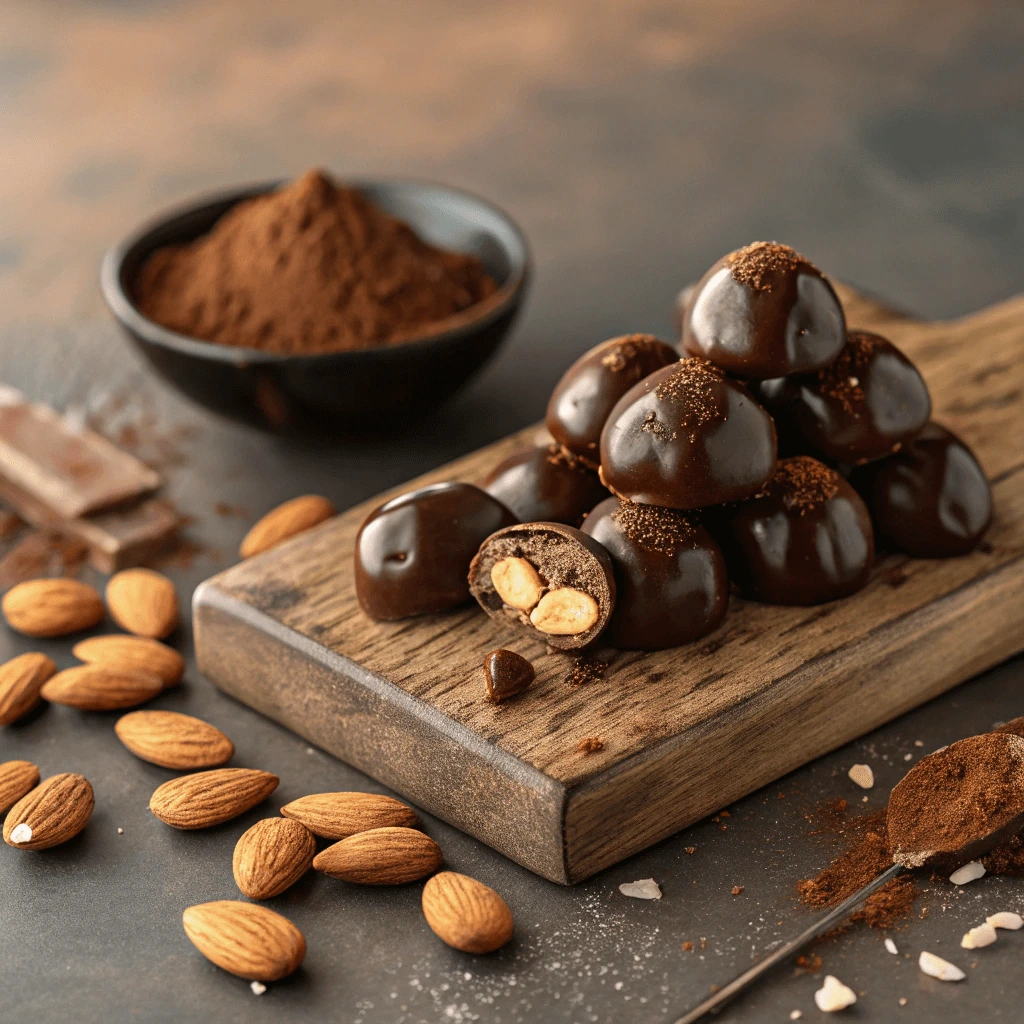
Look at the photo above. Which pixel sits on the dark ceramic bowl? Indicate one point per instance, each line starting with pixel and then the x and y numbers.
pixel 401 381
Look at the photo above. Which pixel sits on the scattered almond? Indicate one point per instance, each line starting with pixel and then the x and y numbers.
pixel 52 607
pixel 641 889
pixel 465 913
pixel 21 679
pixel 834 995
pixel 101 687
pixel 208 798
pixel 271 856
pixel 52 813
pixel 1006 919
pixel 978 938
pixel 245 939
pixel 173 740
pixel 143 602
pixel 381 856
pixel 936 967
pixel 16 779
pixel 968 873
pixel 339 815
pixel 862 775
pixel 133 652
pixel 285 521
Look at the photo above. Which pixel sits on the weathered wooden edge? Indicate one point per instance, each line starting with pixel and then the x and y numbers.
pixel 608 820
pixel 291 679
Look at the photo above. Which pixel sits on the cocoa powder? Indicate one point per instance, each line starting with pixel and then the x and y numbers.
pixel 312 267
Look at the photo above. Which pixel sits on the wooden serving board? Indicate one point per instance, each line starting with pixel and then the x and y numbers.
pixel 685 732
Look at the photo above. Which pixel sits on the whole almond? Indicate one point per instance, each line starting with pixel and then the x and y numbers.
pixel 381 856
pixel 465 913
pixel 101 687
pixel 52 813
pixel 208 798
pixel 271 856
pixel 173 740
pixel 52 607
pixel 143 602
pixel 339 815
pixel 245 939
pixel 285 521
pixel 16 779
pixel 21 679
pixel 136 652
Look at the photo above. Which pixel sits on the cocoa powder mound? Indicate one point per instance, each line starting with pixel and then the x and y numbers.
pixel 310 268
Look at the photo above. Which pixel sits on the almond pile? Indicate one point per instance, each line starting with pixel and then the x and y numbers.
pixel 373 839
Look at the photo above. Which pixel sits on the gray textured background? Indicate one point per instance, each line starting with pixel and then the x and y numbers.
pixel 634 144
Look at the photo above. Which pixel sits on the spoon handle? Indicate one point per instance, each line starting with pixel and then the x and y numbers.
pixel 829 921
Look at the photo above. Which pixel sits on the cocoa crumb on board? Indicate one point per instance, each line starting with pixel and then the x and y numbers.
pixel 588 669
pixel 737 889
pixel 809 962
pixel 687 946
pixel 590 745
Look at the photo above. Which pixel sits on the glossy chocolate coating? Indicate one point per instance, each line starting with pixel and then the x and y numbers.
pixel 589 389
pixel 687 437
pixel 805 540
pixel 563 557
pixel 546 484
pixel 413 552
pixel 867 403
pixel 764 311
pixel 931 499
pixel 671 585
pixel 506 674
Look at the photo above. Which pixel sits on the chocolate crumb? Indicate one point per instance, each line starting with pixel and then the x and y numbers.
pixel 691 850
pixel 586 669
pixel 737 889
pixel 687 946
pixel 757 264
pixel 590 745
pixel 810 962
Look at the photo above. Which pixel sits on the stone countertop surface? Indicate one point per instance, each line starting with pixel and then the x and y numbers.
pixel 634 143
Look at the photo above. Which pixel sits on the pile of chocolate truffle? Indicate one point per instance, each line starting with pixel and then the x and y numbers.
pixel 769 457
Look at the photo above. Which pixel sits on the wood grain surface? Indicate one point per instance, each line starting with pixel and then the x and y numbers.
pixel 685 731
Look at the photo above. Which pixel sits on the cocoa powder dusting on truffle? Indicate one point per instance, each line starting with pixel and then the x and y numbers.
pixel 626 349
pixel 843 379
pixel 653 528
pixel 692 388
pixel 755 265
pixel 559 456
pixel 312 267
pixel 804 483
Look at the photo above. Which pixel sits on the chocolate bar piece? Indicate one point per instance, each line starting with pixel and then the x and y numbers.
pixel 70 471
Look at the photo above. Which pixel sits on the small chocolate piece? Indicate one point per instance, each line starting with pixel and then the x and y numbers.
pixel 687 437
pixel 764 311
pixel 589 389
pixel 931 499
pixel 549 484
pixel 413 552
pixel 806 539
pixel 506 674
pixel 671 585
pixel 866 404
pixel 955 805
pixel 549 578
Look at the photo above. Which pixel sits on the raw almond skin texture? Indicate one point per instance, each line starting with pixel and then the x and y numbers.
pixel 16 779
pixel 244 939
pixel 285 521
pixel 173 740
pixel 21 680
pixel 52 607
pixel 133 652
pixel 143 602
pixel 101 688
pixel 340 815
pixel 381 856
pixel 465 913
pixel 56 811
pixel 208 798
pixel 272 856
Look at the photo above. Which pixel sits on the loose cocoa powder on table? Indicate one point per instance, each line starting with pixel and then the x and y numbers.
pixel 310 268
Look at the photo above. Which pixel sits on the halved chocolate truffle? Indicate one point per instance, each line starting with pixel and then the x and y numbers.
pixel 806 539
pixel 866 404
pixel 589 389
pixel 548 484
pixel 931 499
pixel 764 311
pixel 547 577
pixel 671 585
pixel 686 437
pixel 413 553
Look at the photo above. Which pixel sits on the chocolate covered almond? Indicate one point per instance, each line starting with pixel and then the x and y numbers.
pixel 547 578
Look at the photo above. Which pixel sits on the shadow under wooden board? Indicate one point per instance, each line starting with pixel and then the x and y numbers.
pixel 685 732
